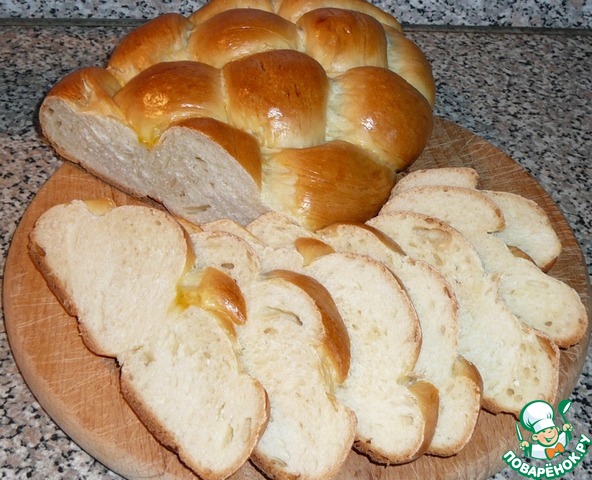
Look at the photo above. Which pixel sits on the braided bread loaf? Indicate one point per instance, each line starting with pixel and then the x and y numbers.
pixel 309 108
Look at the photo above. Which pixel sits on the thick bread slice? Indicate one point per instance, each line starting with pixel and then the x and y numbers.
pixel 536 298
pixel 270 258
pixel 528 228
pixel 396 417
pixel 516 363
pixel 288 344
pixel 451 176
pixel 119 271
pixel 457 380
pixel 87 252
pixel 463 208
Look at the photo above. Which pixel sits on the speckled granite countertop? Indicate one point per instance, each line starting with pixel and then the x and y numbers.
pixel 530 94
pixel 514 13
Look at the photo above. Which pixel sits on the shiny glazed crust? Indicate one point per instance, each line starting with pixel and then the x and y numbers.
pixel 290 76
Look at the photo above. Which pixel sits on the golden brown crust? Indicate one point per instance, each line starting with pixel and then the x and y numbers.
pixel 384 114
pixel 293 10
pixel 407 60
pixel 240 145
pixel 336 342
pixel 162 39
pixel 251 64
pixel 91 89
pixel 280 96
pixel 169 92
pixel 428 399
pixel 217 293
pixel 311 248
pixel 334 182
pixel 214 7
pixel 234 34
pixel 332 37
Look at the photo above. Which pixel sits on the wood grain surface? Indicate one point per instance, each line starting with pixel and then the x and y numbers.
pixel 80 391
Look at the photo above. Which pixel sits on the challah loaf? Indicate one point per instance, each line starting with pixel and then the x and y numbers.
pixel 309 108
pixel 536 298
pixel 125 273
pixel 516 363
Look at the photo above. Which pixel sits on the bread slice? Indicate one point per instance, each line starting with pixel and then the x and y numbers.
pixel 528 230
pixel 458 381
pixel 463 208
pixel 536 298
pixel 451 176
pixel 295 343
pixel 270 258
pixel 119 271
pixel 517 364
pixel 396 415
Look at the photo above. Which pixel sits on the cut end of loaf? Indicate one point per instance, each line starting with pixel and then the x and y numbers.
pixel 269 78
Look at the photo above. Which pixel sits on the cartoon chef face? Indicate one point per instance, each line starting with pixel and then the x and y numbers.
pixel 537 417
pixel 547 437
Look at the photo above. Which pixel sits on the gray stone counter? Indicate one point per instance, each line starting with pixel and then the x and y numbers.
pixel 528 94
pixel 506 13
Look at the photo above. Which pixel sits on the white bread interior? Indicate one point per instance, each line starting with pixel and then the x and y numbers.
pixel 297 347
pixel 310 432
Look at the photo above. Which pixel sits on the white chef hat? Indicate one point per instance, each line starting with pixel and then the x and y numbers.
pixel 537 416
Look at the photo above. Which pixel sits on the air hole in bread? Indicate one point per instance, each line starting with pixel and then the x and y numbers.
pixel 279 314
pixel 407 420
pixel 549 323
pixel 196 208
pixel 147 357
pixel 229 436
pixel 510 392
pixel 435 236
pixel 227 266
pixel 279 462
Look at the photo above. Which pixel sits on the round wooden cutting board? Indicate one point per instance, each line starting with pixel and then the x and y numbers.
pixel 80 391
